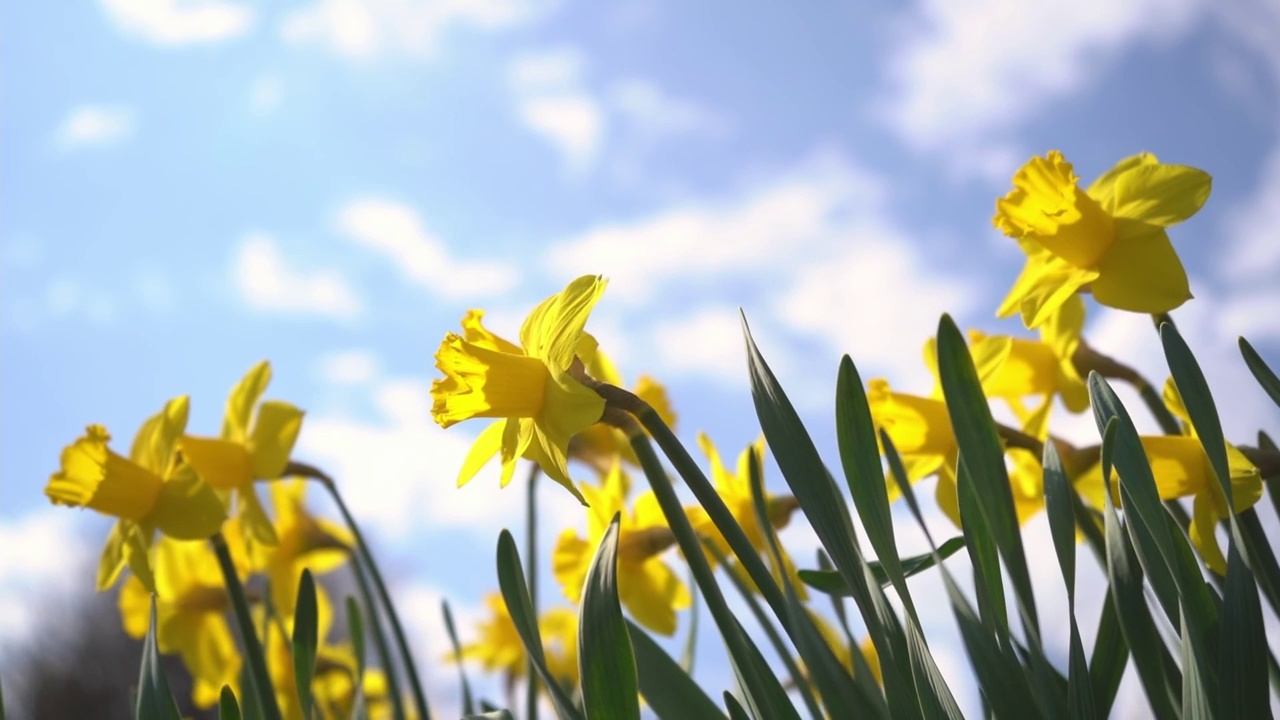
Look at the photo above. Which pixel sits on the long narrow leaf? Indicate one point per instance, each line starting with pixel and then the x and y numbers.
pixel 1265 376
pixel 228 708
pixel 155 701
pixel 468 704
pixel 1062 528
pixel 606 663
pixel 666 687
pixel 832 582
pixel 1244 645
pixel 305 640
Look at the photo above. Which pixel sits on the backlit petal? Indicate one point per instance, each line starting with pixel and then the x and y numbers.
pixel 275 430
pixel 487 445
pixel 1103 189
pixel 1161 195
pixel 188 508
pixel 244 396
pixel 1141 272
pixel 224 464
pixel 155 442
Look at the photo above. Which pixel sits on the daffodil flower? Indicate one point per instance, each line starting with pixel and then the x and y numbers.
pixel 255 443
pixel 150 490
pixel 500 650
pixel 647 587
pixel 541 405
pixel 191 614
pixel 1029 368
pixel 1110 239
pixel 735 489
pixel 305 542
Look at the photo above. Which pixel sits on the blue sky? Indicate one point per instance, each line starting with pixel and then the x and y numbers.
pixel 191 187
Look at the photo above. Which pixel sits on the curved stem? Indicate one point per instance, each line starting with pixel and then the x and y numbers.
pixel 531 558
pixel 258 674
pixel 410 667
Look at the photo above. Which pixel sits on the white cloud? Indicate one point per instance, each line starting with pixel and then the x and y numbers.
pixel 397 231
pixel 656 113
pixel 348 367
pixel 399 472
pixel 180 22
pixel 52 554
pixel 967 73
pixel 267 283
pixel 825 263
pixel 1252 252
pixel 553 102
pixel 95 125
pixel 366 29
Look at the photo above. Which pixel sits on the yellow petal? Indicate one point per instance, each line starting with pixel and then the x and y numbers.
pixel 485 383
pixel 137 547
pixel 1042 288
pixel 1203 532
pixel 1046 205
pixel 552 330
pixel 1141 272
pixel 568 408
pixel 569 561
pixel 112 561
pixel 1246 480
pixel 474 331
pixel 275 430
pixel 155 442
pixel 654 393
pixel 224 464
pixel 916 425
pixel 652 593
pixel 134 602
pixel 244 396
pixel 94 476
pixel 488 444
pixel 1103 189
pixel 257 524
pixel 188 508
pixel 1173 401
pixel 1161 195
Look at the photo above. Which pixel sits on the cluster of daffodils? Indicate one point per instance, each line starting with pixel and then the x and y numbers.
pixel 173 493
pixel 1108 241
pixel 199 542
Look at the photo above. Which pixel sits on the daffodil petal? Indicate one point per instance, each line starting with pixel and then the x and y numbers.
pixel 275 430
pixel 648 591
pixel 188 509
pixel 137 555
pixel 1161 195
pixel 224 464
pixel 244 396
pixel 134 602
pixel 551 332
pixel 487 444
pixel 1203 532
pixel 1103 189
pixel 1141 272
pixel 112 561
pixel 155 442
pixel 569 559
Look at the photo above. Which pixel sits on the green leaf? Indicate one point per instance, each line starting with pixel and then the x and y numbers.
pixel 1062 527
pixel 669 691
pixel 607 664
pixel 1196 397
pixel 1264 375
pixel 832 582
pixel 468 704
pixel 1195 699
pixel 260 678
pixel 1244 644
pixel 155 701
pixel 982 456
pixel 824 507
pixel 1149 654
pixel 380 644
pixel 515 593
pixel 228 708
pixel 735 708
pixel 305 640
pixel 355 627
pixel 1109 659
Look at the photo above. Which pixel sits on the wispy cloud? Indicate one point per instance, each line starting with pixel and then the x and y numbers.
pixel 552 100
pixel 95 126
pixel 965 74
pixel 180 22
pixel 398 232
pixel 367 29
pixel 358 366
pixel 267 283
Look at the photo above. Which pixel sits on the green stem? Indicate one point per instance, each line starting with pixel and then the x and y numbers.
pixel 690 546
pixel 258 674
pixel 779 645
pixel 379 641
pixel 531 543
pixel 410 667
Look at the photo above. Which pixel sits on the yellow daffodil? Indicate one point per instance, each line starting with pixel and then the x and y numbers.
pixel 1179 475
pixel 1110 239
pixel 500 650
pixel 647 587
pixel 541 405
pixel 600 445
pixel 335 689
pixel 256 440
pixel 735 489
pixel 1045 368
pixel 191 614
pixel 305 542
pixel 150 490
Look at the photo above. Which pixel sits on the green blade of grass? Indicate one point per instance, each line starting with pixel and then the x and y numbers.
pixel 228 708
pixel 468 704
pixel 1062 528
pixel 1109 659
pixel 1244 645
pixel 832 582
pixel 305 640
pixel 605 659
pixel 154 701
pixel 515 593
pixel 1265 376
pixel 666 687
